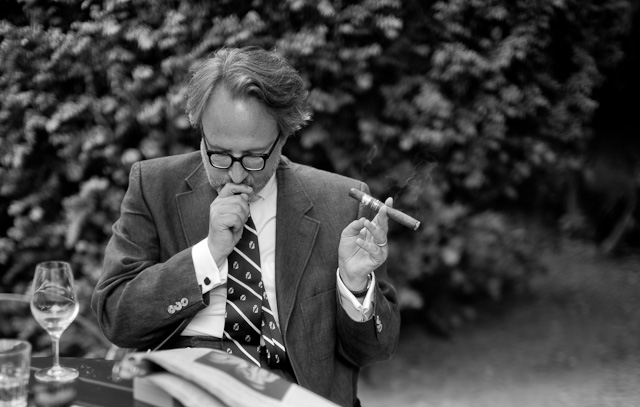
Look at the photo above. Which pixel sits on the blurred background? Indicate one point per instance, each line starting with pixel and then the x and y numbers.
pixel 508 127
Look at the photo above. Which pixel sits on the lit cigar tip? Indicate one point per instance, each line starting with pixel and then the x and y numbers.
pixel 355 193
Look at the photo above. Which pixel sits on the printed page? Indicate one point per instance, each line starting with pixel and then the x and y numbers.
pixel 231 380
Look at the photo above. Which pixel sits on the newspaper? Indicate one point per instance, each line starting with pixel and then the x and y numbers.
pixel 196 377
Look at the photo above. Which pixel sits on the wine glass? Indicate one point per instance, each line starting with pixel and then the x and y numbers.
pixel 54 306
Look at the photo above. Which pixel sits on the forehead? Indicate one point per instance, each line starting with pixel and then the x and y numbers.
pixel 237 122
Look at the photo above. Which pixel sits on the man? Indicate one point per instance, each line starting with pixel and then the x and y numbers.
pixel 169 277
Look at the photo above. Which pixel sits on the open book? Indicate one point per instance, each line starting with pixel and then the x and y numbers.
pixel 196 377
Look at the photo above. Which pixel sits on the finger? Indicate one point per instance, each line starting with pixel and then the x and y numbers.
pixel 375 252
pixel 382 218
pixel 231 204
pixel 230 189
pixel 364 233
pixel 238 208
pixel 354 228
pixel 377 233
pixel 233 221
pixel 228 207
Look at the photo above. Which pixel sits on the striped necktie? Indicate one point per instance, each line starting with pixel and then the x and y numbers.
pixel 248 314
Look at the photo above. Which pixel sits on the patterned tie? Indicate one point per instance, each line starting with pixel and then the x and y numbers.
pixel 249 315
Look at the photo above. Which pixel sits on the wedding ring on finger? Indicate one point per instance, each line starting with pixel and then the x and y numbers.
pixel 381 244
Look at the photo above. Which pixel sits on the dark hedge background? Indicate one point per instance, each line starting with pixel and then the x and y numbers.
pixel 472 114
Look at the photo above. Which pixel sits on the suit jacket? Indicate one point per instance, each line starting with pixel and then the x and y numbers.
pixel 148 285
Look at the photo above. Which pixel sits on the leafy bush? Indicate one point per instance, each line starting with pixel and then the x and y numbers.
pixel 459 109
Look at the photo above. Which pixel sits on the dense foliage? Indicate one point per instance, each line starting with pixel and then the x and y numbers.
pixel 459 109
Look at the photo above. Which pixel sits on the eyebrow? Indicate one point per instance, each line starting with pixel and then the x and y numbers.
pixel 252 151
pixel 259 150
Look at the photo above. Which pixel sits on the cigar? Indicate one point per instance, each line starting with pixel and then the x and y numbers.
pixel 373 203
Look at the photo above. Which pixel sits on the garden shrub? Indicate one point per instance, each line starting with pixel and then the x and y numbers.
pixel 459 109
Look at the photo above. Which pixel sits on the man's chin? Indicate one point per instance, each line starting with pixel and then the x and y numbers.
pixel 253 197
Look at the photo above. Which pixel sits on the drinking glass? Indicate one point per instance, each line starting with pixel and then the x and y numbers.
pixel 15 357
pixel 54 306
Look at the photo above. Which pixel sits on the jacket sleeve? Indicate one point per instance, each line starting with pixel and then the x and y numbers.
pixel 140 297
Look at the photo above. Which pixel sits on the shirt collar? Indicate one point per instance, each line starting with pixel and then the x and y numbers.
pixel 263 208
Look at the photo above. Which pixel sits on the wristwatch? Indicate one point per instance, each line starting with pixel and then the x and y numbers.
pixel 362 293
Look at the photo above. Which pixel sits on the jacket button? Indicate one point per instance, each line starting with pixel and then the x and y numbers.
pixel 184 302
pixel 178 306
pixel 171 310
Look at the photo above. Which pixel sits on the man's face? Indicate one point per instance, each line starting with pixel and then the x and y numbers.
pixel 239 126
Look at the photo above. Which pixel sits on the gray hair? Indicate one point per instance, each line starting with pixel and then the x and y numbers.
pixel 251 72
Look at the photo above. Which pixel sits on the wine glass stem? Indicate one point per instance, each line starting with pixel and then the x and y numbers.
pixel 55 344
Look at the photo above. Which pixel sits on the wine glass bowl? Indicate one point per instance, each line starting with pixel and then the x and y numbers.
pixel 54 306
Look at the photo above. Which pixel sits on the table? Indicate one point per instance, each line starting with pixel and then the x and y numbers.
pixel 94 387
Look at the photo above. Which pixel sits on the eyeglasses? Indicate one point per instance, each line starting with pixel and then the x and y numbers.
pixel 250 162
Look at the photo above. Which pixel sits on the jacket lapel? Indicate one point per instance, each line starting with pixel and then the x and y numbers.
pixel 193 203
pixel 295 237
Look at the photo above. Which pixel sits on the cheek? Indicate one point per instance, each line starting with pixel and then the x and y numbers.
pixel 255 180
pixel 217 177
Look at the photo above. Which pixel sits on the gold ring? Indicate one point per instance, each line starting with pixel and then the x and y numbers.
pixel 381 244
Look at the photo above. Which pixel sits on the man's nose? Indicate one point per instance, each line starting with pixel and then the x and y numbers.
pixel 237 173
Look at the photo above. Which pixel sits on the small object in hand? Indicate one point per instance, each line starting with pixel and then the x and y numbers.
pixel 383 244
pixel 371 202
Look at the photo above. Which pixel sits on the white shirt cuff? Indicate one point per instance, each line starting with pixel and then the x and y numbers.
pixel 208 274
pixel 355 310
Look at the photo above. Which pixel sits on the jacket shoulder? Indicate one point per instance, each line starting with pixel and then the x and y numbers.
pixel 166 173
pixel 323 178
pixel 180 162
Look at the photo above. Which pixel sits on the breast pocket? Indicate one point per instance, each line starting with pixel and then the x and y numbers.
pixel 319 314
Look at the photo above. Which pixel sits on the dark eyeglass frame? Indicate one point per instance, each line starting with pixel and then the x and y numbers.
pixel 233 158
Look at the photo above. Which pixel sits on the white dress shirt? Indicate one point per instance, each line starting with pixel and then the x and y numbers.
pixel 210 320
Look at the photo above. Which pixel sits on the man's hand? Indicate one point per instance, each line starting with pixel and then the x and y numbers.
pixel 363 248
pixel 227 215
